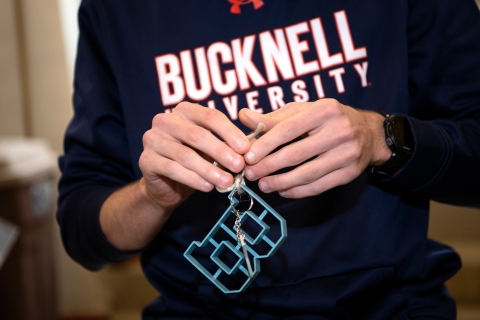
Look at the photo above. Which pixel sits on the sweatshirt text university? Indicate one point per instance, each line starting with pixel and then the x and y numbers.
pixel 282 53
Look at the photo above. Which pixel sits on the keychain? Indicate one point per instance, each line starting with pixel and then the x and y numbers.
pixel 242 245
pixel 238 223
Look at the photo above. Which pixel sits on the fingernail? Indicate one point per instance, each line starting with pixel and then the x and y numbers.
pixel 249 174
pixel 242 144
pixel 237 162
pixel 225 180
pixel 283 193
pixel 263 186
pixel 250 156
pixel 208 185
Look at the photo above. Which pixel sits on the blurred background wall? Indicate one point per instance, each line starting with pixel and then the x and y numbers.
pixel 37 41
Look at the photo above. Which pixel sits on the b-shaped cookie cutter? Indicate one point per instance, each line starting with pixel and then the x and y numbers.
pixel 235 246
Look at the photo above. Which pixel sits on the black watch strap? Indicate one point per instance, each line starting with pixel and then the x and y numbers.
pixel 392 166
pixel 399 138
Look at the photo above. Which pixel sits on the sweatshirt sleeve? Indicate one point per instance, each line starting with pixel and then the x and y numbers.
pixel 444 85
pixel 96 160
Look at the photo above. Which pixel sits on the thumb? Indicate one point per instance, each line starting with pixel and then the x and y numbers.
pixel 251 119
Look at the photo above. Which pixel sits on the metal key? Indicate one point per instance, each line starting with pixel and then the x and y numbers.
pixel 243 201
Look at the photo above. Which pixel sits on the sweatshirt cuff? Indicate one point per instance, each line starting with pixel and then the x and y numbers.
pixel 95 237
pixel 82 235
pixel 430 155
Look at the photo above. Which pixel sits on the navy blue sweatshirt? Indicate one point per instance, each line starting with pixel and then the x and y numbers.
pixel 358 251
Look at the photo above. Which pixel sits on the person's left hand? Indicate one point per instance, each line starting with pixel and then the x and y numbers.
pixel 342 140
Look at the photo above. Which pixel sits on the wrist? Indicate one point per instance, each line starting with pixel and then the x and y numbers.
pixel 162 204
pixel 381 151
pixel 130 218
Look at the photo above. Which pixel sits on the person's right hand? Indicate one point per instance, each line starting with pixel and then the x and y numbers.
pixel 178 153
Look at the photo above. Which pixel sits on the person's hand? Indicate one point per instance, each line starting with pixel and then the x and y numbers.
pixel 178 153
pixel 342 140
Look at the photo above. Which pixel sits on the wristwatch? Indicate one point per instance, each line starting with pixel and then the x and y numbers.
pixel 399 138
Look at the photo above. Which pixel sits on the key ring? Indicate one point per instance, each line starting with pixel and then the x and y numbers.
pixel 243 194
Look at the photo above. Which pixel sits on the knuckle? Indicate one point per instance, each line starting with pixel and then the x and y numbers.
pixel 224 155
pixel 183 155
pixel 331 107
pixel 182 106
pixel 194 135
pixel 143 160
pixel 331 102
pixel 147 138
pixel 318 188
pixel 212 116
pixel 296 156
pixel 354 151
pixel 270 165
pixel 159 120
pixel 308 175
pixel 146 162
pixel 346 130
pixel 288 128
pixel 168 168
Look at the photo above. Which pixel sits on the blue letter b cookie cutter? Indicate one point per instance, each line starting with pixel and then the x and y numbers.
pixel 235 246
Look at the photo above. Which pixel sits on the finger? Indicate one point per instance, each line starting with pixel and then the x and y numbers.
pixel 215 121
pixel 283 132
pixel 251 118
pixel 331 180
pixel 313 170
pixel 191 160
pixel 298 119
pixel 291 155
pixel 154 165
pixel 169 126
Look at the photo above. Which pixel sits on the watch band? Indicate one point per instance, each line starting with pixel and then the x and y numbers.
pixel 399 139
pixel 392 166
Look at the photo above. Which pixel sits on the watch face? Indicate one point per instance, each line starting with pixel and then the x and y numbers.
pixel 402 133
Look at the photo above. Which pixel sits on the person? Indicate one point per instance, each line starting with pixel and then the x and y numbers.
pixel 164 88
